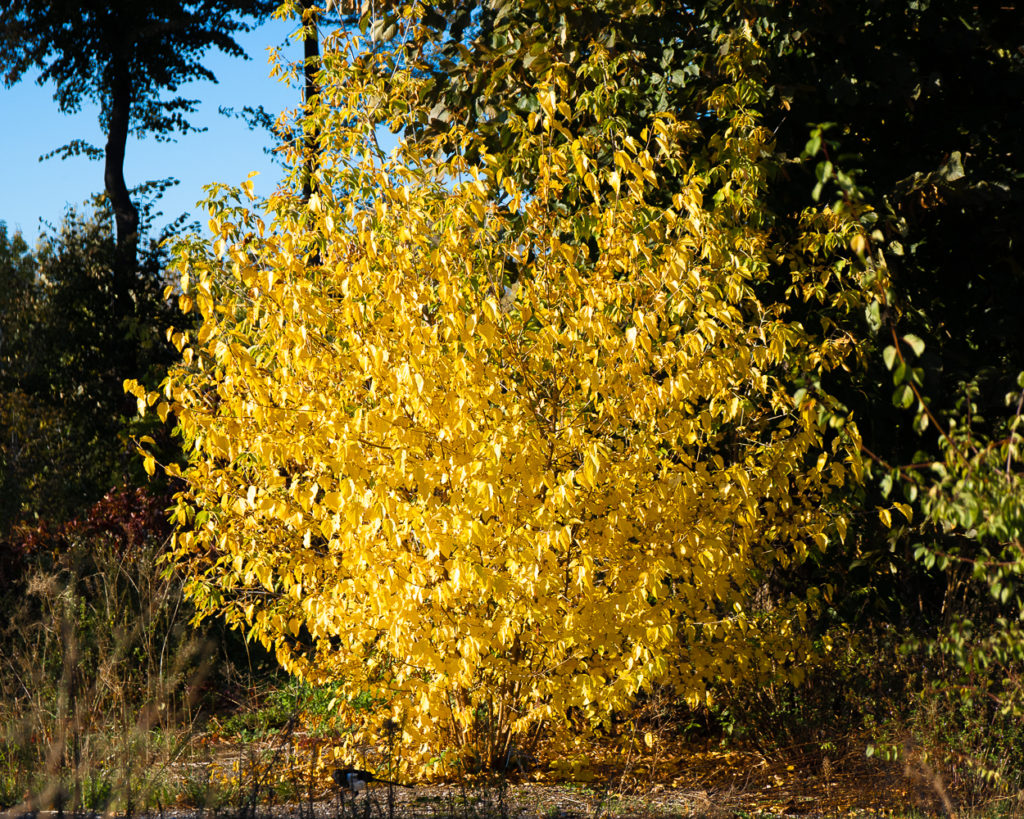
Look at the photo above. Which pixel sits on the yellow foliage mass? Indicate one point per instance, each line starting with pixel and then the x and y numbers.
pixel 447 458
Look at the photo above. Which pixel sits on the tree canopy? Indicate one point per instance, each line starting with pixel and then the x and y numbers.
pixel 123 56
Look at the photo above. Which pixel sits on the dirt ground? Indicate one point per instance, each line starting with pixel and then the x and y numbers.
pixel 702 783
pixel 689 783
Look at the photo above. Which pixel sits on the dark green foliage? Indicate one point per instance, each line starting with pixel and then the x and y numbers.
pixel 921 105
pixel 924 105
pixel 68 345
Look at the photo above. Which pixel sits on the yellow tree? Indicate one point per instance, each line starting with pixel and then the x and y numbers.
pixel 448 459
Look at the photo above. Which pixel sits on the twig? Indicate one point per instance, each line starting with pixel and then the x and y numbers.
pixel 924 406
pixel 1013 432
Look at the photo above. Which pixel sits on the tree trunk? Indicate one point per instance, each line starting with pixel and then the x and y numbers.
pixel 126 215
pixel 311 64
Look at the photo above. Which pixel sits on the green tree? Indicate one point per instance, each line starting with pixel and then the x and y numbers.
pixel 63 357
pixel 920 114
pixel 18 303
pixel 123 56
pixel 914 111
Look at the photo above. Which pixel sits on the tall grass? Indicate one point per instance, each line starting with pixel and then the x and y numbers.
pixel 100 672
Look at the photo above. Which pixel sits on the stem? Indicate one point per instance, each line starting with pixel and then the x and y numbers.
pixel 310 67
pixel 920 400
pixel 126 215
pixel 876 458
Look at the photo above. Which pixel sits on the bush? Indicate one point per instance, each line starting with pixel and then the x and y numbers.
pixel 66 427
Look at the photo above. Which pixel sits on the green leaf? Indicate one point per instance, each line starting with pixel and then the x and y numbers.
pixel 903 397
pixel 889 356
pixel 915 343
pixel 873 315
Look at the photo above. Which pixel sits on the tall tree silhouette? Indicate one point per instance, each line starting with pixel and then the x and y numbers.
pixel 311 64
pixel 124 56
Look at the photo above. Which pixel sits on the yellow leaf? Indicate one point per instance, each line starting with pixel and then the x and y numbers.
pixel 904 510
pixel 615 181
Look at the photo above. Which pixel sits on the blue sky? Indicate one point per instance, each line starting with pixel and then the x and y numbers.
pixel 32 126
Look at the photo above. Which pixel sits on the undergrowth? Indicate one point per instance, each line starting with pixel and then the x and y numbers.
pixel 111 701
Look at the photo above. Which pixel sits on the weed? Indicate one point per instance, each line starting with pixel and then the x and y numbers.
pixel 99 668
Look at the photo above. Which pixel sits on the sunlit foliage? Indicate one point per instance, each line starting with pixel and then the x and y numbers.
pixel 493 465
